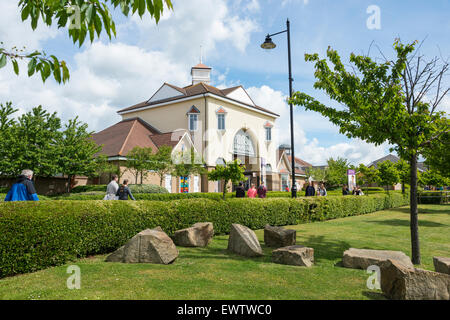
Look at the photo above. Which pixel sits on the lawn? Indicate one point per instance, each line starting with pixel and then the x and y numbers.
pixel 212 273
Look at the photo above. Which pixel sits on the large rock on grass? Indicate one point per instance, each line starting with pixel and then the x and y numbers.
pixel 441 264
pixel 199 235
pixel 363 258
pixel 277 237
pixel 294 255
pixel 405 283
pixel 148 246
pixel 243 241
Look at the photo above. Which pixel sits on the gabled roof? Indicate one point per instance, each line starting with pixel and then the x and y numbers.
pixel 120 138
pixel 201 66
pixel 192 91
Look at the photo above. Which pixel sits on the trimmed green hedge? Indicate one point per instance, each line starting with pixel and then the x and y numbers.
pixel 434 197
pixel 135 188
pixel 36 235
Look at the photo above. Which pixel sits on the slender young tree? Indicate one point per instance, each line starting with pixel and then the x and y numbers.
pixel 395 101
pixel 161 163
pixel 388 175
pixel 137 162
pixel 367 176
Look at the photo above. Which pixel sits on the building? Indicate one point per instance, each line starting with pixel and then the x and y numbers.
pixel 220 124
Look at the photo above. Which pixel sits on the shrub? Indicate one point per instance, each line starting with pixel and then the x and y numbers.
pixel 36 235
pixel 147 188
pixel 436 197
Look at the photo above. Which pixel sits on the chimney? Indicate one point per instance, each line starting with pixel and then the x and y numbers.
pixel 201 73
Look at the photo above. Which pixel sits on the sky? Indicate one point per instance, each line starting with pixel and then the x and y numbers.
pixel 109 75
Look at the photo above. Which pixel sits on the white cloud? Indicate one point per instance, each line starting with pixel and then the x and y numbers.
pixel 311 150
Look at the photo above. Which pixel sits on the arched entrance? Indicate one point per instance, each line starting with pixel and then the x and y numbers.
pixel 246 150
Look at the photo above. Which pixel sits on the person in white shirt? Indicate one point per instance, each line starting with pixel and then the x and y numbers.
pixel 112 188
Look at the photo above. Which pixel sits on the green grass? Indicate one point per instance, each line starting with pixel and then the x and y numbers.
pixel 212 273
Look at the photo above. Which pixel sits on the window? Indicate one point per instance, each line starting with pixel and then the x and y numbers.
pixel 221 121
pixel 268 134
pixel 193 119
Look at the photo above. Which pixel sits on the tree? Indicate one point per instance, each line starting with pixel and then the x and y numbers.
pixel 394 101
pixel 138 161
pixel 76 151
pixel 232 171
pixel 337 172
pixel 103 165
pixel 7 138
pixel 80 17
pixel 36 142
pixel 433 178
pixel 162 162
pixel 388 174
pixel 316 174
pixel 437 157
pixel 367 176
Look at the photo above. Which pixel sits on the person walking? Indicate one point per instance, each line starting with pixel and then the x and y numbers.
pixel 310 191
pixel 240 192
pixel 112 189
pixel 322 192
pixel 251 193
pixel 262 190
pixel 23 189
pixel 124 191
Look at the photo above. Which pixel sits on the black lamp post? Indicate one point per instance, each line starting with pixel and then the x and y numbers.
pixel 268 44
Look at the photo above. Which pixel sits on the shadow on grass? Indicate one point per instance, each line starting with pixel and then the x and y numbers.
pixel 325 249
pixel 405 223
pixel 374 295
pixel 424 210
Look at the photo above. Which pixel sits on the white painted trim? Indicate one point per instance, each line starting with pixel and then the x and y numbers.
pixel 196 97
pixel 117 158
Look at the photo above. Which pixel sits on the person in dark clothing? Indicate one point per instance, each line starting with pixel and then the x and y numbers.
pixel 345 190
pixel 240 191
pixel 23 189
pixel 124 191
pixel 310 191
pixel 262 190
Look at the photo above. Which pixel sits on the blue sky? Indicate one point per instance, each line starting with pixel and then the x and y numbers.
pixel 109 75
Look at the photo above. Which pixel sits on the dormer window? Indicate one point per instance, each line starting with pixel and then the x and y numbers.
pixel 193 118
pixel 221 113
pixel 268 127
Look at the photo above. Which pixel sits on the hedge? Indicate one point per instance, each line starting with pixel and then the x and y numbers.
pixel 135 188
pixel 434 197
pixel 36 235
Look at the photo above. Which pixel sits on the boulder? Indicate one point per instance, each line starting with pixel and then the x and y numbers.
pixel 243 241
pixel 294 255
pixel 441 264
pixel 277 237
pixel 199 235
pixel 363 258
pixel 148 246
pixel 405 283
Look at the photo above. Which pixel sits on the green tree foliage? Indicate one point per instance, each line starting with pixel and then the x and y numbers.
pixel 388 175
pixel 162 162
pixel 316 174
pixel 81 18
pixel 437 157
pixel 187 163
pixel 76 151
pixel 7 139
pixel 394 101
pixel 433 178
pixel 138 160
pixel 232 171
pixel 404 172
pixel 337 172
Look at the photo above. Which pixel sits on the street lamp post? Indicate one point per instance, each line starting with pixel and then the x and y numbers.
pixel 268 44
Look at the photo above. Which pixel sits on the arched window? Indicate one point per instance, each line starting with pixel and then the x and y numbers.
pixel 220 162
pixel 243 144
pixel 268 168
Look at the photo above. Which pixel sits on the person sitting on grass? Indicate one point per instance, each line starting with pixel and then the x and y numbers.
pixel 262 190
pixel 240 192
pixel 124 191
pixel 251 193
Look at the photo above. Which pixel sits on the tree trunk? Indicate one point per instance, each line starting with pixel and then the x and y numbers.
pixel 224 188
pixel 414 223
pixel 69 178
pixel 403 186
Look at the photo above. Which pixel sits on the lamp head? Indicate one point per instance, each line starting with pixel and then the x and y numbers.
pixel 268 43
